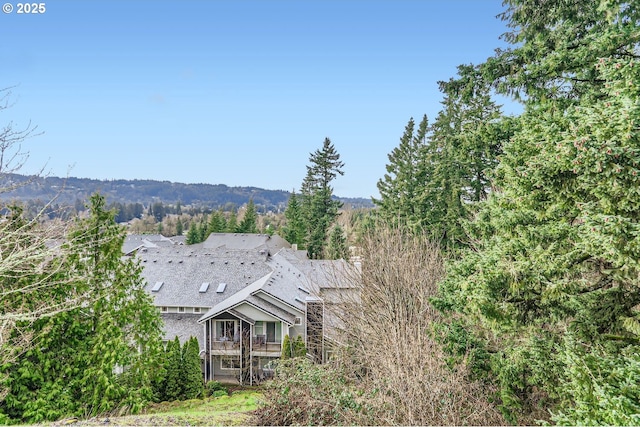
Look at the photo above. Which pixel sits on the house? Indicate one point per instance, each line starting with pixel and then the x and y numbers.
pixel 240 294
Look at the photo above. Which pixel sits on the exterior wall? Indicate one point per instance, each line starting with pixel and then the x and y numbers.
pixel 265 296
pixel 183 326
pixel 255 314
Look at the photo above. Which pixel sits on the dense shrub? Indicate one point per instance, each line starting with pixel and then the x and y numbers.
pixel 303 393
pixel 215 388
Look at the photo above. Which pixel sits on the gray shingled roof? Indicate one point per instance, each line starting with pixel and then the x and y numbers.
pixel 183 269
pixel 246 241
pixel 236 298
pixel 134 242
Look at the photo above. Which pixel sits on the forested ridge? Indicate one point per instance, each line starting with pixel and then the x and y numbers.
pixel 70 190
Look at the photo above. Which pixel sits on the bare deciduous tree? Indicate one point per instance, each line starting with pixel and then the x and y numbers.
pixel 386 332
pixel 33 280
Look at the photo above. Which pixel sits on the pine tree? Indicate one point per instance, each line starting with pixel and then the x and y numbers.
pixel 193 235
pixel 551 276
pixel 294 230
pixel 319 206
pixel 232 222
pixel 337 248
pixel 249 223
pixel 407 172
pixel 465 143
pixel 217 222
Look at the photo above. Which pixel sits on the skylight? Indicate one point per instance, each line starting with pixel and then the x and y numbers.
pixel 157 286
pixel 204 287
pixel 221 288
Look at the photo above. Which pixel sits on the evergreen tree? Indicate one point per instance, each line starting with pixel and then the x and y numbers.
pixel 249 223
pixel 179 227
pixel 203 229
pixel 551 277
pixel 287 351
pixel 232 222
pixel 75 366
pixel 174 389
pixel 337 248
pixel 320 208
pixel 294 230
pixel 217 222
pixel 299 349
pixel 465 143
pixel 406 176
pixel 193 386
pixel 193 235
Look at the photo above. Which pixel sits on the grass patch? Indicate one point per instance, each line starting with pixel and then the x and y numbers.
pixel 235 409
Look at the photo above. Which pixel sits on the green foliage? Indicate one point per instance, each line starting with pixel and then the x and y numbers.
pixel 294 230
pixel 193 385
pixel 287 352
pixel 173 386
pixel 303 393
pixel 555 250
pixel 601 388
pixel 215 388
pixel 406 175
pixel 249 223
pixel 217 222
pixel 232 222
pixel 298 348
pixel 182 372
pixel 318 205
pixel 101 355
pixel 193 235
pixel 337 247
pixel 556 46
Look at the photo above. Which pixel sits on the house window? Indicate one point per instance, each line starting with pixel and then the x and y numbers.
pixel 164 309
pixel 229 363
pixel 180 309
pixel 196 309
pixel 273 331
pixel 225 330
pixel 298 321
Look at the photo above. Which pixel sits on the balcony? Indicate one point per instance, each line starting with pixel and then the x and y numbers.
pixel 263 348
pixel 223 346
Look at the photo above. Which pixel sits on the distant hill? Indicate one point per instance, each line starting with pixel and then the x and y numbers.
pixel 70 190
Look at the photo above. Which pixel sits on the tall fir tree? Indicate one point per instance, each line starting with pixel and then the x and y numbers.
pixel 217 223
pixel 337 247
pixel 294 229
pixel 319 206
pixel 551 276
pixel 464 146
pixel 407 172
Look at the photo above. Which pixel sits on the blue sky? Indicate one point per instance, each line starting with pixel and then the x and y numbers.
pixel 233 92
